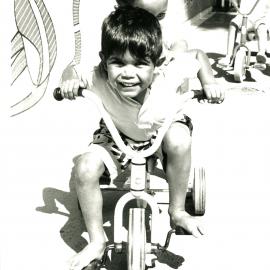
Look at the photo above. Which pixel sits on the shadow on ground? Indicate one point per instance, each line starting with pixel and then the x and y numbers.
pixel 219 72
pixel 73 229
pixel 218 20
pixel 228 74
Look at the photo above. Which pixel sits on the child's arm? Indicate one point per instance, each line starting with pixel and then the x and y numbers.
pixel 87 27
pixel 178 47
pixel 214 92
pixel 70 82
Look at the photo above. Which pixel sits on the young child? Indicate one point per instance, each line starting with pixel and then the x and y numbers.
pixel 130 63
pixel 258 21
pixel 162 9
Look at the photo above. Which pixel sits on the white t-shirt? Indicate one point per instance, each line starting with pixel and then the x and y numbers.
pixel 136 120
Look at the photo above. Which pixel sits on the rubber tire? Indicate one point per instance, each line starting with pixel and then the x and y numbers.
pixel 199 191
pixel 136 239
pixel 240 64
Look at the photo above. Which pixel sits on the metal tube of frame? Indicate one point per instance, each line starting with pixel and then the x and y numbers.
pixel 118 216
pixel 155 217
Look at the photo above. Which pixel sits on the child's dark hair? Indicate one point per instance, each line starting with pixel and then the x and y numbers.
pixel 125 2
pixel 133 29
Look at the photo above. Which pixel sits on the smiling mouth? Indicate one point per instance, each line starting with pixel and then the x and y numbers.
pixel 128 84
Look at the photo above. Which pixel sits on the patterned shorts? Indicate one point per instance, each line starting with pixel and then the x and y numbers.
pixel 114 159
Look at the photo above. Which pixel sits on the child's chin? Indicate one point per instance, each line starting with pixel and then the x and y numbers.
pixel 129 95
pixel 129 92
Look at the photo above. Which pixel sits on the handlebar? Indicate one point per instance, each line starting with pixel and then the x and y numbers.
pixel 197 94
pixel 114 132
pixel 244 14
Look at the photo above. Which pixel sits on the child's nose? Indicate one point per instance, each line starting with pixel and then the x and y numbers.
pixel 128 71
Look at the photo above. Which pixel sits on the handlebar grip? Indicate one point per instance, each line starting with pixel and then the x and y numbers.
pixel 180 231
pixel 199 94
pixel 58 96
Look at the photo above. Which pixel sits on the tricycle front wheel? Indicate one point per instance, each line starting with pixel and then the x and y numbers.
pixel 136 239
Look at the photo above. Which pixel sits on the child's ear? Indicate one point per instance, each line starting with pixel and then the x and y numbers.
pixel 103 61
pixel 160 61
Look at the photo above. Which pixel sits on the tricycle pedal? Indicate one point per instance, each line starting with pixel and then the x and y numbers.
pixel 169 258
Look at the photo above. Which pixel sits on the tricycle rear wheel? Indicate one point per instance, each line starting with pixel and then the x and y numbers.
pixel 199 191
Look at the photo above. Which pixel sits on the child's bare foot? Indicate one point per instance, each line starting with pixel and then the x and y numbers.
pixel 225 61
pixel 91 252
pixel 190 224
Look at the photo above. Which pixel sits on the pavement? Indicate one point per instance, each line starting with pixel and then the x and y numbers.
pixel 43 228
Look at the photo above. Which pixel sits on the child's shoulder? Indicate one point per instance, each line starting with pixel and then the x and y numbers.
pixel 189 63
pixel 98 73
pixel 181 65
pixel 186 57
pixel 95 77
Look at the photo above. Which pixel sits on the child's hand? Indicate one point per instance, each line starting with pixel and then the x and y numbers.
pixel 70 83
pixel 215 93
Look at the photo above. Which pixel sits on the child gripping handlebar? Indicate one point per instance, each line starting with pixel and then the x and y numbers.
pixel 124 83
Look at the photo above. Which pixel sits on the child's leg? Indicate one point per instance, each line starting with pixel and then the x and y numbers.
pixel 177 146
pixel 230 45
pixel 231 39
pixel 87 171
pixel 262 43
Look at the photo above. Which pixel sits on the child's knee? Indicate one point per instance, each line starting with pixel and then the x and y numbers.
pixel 178 142
pixel 88 167
pixel 180 147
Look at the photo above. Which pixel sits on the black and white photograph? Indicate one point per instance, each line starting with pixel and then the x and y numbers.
pixel 135 134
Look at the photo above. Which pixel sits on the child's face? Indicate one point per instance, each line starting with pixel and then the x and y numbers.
pixel 130 76
pixel 157 7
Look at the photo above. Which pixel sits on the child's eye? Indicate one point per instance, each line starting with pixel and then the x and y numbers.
pixel 161 16
pixel 116 62
pixel 142 63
